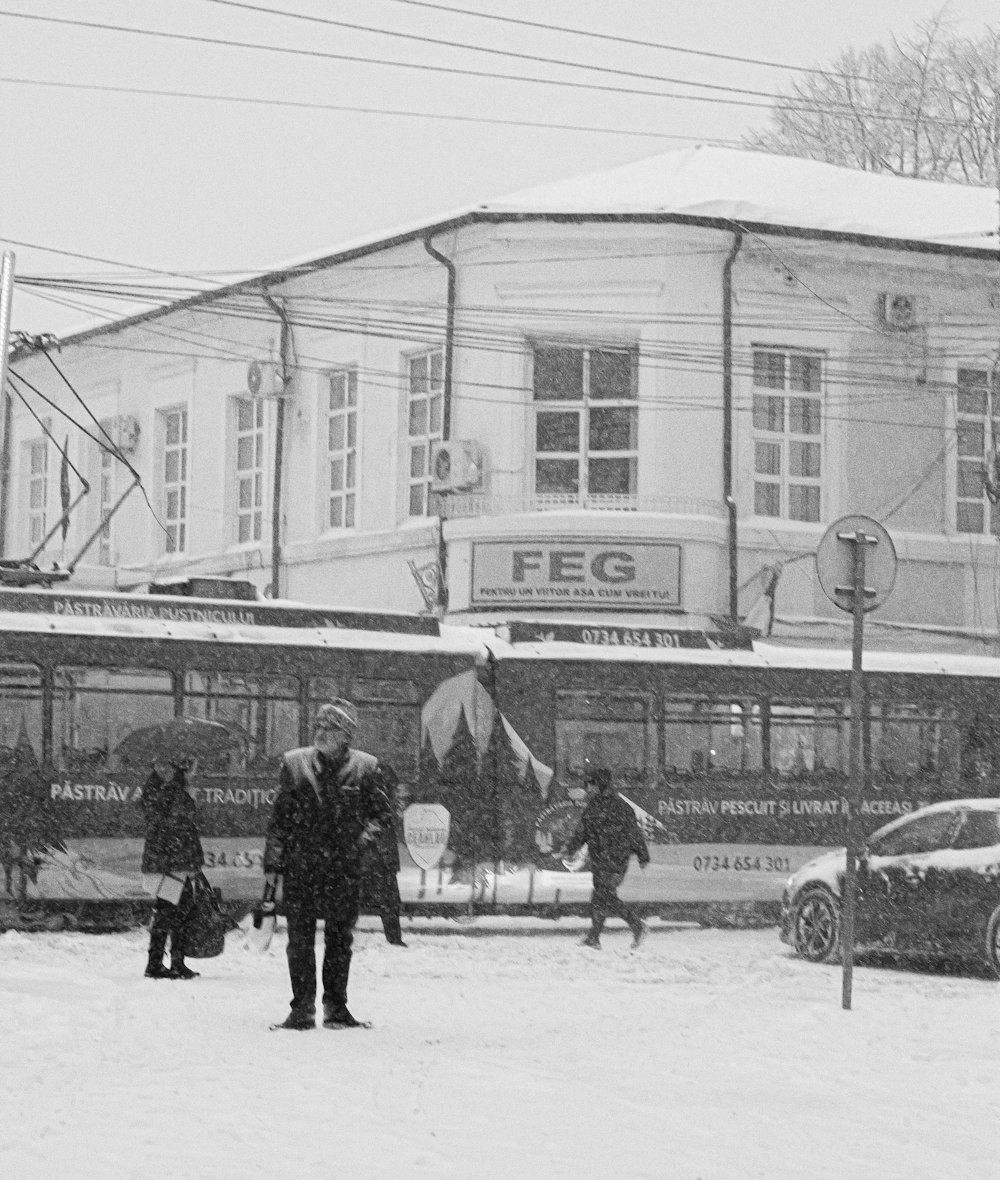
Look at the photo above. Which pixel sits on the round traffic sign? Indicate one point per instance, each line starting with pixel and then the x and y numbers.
pixel 835 561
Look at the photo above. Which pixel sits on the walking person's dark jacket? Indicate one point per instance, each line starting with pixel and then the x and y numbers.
pixel 611 832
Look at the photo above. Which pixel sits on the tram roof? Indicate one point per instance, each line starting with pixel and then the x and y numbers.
pixel 763 656
pixel 153 630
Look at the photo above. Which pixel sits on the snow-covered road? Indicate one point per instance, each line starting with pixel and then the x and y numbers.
pixel 500 1049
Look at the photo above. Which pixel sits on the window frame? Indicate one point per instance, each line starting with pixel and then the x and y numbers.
pixel 782 442
pixel 347 454
pixel 175 521
pixel 420 442
pixel 248 518
pixel 36 514
pixel 976 464
pixel 585 408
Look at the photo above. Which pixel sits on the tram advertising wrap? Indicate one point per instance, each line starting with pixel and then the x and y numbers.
pixel 735 762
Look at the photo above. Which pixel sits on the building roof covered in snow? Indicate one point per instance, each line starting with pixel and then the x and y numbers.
pixel 705 185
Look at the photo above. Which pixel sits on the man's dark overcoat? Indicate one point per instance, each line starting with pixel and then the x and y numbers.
pixel 314 838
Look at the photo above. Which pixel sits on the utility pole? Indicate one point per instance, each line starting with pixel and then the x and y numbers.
pixel 6 297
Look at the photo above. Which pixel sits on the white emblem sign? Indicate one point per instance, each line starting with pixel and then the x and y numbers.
pixel 425 830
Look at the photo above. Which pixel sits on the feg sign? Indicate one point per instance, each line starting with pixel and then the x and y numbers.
pixel 425 831
pixel 618 575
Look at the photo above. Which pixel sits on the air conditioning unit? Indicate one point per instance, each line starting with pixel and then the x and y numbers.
pixel 265 379
pixel 456 465
pixel 896 312
pixel 124 429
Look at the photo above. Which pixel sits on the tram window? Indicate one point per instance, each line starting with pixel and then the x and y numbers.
pixel 20 707
pixel 809 739
pixel 613 732
pixel 94 709
pixel 704 737
pixel 905 741
pixel 263 710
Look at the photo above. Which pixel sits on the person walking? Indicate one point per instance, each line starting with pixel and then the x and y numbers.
pixel 172 857
pixel 611 832
pixel 379 867
pixel 331 803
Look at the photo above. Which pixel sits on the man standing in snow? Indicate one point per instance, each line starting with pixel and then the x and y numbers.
pixel 330 805
pixel 611 832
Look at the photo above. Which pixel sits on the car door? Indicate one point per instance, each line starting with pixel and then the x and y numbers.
pixel 972 871
pixel 900 893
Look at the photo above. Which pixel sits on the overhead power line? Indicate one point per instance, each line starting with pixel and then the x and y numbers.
pixel 541 59
pixel 617 39
pixel 346 108
pixel 777 101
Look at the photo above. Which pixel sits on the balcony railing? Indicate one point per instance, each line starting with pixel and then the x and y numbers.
pixel 466 504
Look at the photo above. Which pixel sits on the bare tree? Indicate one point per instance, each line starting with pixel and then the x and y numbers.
pixel 925 106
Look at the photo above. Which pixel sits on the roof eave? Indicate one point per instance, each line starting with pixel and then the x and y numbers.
pixel 270 279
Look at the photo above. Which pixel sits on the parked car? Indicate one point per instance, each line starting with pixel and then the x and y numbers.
pixel 928 884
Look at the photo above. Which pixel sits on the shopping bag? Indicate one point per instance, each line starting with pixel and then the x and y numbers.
pixel 206 922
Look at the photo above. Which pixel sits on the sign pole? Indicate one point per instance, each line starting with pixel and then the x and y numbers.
pixel 857 542
pixel 844 572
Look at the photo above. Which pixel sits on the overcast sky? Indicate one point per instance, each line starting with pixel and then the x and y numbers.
pixel 221 188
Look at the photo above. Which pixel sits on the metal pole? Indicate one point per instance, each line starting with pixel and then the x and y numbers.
pixel 858 543
pixel 6 298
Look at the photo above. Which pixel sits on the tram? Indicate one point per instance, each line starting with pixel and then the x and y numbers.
pixel 735 761
pixel 81 671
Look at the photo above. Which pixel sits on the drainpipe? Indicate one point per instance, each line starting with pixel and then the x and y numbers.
pixel 279 442
pixel 727 417
pixel 449 334
pixel 6 296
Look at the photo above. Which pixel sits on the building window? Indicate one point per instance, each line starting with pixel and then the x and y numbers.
pixel 175 479
pixel 978 427
pixel 249 469
pixel 105 496
pixel 342 447
pixel 425 404
pixel 787 434
pixel 38 489
pixel 586 423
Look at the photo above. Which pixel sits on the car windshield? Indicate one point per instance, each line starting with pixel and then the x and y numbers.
pixel 980 829
pixel 918 833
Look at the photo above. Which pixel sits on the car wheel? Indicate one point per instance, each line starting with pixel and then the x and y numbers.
pixel 993 944
pixel 816 926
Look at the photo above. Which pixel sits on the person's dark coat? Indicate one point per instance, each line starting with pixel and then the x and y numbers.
pixel 611 832
pixel 172 841
pixel 314 839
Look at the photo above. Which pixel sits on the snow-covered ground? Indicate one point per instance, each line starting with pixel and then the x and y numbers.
pixel 500 1049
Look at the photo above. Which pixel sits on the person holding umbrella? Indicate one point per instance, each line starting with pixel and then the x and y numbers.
pixel 171 857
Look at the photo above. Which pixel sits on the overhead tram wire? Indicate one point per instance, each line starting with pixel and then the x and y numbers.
pixel 345 108
pixel 777 101
pixel 632 41
pixel 675 359
pixel 540 59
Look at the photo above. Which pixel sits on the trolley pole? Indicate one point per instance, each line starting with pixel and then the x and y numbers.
pixel 6 297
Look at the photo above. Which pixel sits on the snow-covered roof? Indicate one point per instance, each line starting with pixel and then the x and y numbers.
pixel 710 183
pixel 748 186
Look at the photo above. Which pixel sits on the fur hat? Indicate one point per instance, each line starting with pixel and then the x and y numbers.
pixel 340 712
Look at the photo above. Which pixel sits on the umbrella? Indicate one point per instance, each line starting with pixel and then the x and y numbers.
pixel 181 737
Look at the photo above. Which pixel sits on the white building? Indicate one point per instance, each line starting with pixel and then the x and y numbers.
pixel 645 394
